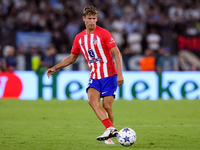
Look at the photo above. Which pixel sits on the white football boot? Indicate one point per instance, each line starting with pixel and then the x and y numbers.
pixel 109 141
pixel 109 133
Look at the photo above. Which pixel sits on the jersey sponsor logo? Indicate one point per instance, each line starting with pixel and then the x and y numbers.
pixel 94 60
pixel 91 53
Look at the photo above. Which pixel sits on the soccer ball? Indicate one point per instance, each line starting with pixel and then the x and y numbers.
pixel 126 136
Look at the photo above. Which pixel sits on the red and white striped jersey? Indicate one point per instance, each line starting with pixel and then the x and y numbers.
pixel 95 47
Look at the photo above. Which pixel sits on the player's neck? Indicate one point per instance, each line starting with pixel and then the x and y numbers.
pixel 89 31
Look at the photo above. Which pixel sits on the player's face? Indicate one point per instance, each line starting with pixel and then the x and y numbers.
pixel 90 21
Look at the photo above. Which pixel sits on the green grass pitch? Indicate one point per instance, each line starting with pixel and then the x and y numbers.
pixel 72 125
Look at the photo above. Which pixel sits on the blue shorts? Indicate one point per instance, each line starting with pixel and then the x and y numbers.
pixel 106 86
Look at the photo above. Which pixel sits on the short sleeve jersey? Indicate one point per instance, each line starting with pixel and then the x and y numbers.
pixel 95 48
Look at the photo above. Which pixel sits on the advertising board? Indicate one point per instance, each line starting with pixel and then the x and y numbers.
pixel 27 85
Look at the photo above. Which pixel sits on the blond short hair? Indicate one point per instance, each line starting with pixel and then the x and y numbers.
pixel 90 10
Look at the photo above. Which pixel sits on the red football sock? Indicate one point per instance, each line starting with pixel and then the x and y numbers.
pixel 107 123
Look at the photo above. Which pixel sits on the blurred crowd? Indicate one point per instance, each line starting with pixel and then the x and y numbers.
pixel 145 31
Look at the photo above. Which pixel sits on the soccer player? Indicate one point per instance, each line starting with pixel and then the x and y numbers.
pixel 97 46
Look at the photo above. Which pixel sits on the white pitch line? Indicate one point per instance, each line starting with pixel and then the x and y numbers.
pixel 132 126
pixel 184 125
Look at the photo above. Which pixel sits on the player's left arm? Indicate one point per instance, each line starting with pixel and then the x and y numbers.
pixel 118 58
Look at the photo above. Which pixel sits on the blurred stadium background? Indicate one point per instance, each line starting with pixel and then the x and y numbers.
pixel 153 35
pixel 160 44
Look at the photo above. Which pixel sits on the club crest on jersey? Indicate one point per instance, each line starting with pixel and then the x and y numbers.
pixel 95 41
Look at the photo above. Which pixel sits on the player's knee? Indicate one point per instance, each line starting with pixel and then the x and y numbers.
pixel 107 106
pixel 91 103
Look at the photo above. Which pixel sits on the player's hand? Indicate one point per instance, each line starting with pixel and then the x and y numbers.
pixel 120 80
pixel 50 71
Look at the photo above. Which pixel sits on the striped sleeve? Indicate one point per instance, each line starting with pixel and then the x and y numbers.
pixel 75 48
pixel 109 40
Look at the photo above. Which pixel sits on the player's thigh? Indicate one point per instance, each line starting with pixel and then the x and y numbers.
pixel 93 95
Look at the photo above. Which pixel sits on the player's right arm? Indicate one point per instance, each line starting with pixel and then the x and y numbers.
pixel 66 62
